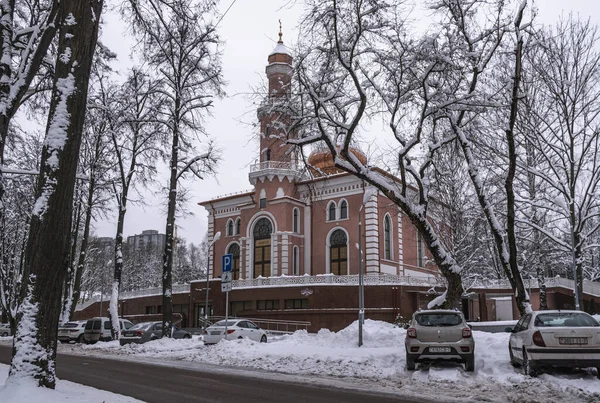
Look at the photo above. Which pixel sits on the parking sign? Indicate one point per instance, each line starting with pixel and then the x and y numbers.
pixel 227 262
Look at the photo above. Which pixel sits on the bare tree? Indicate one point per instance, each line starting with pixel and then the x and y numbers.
pixel 21 157
pixel 26 32
pixel 137 137
pixel 179 39
pixel 566 137
pixel 34 348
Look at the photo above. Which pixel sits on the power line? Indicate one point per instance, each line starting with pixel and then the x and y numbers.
pixel 226 11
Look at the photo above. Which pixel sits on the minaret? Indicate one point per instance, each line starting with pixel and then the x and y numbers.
pixel 276 157
pixel 274 122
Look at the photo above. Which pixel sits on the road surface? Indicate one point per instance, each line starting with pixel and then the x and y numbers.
pixel 158 383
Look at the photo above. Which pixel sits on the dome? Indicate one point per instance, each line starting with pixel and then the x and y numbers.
pixel 320 161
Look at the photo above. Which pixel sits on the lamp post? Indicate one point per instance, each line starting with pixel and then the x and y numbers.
pixel 369 192
pixel 210 245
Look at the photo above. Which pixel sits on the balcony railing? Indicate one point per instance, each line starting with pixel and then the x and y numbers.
pixel 276 165
pixel 326 279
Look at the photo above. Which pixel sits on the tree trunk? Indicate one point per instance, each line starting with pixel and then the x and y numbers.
pixel 71 267
pixel 113 308
pixel 521 294
pixel 167 300
pixel 34 348
pixel 84 239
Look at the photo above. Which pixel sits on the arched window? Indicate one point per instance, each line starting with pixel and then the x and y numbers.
pixel 234 250
pixel 262 248
pixel 296 220
pixel 387 237
pixel 338 252
pixel 237 226
pixel 268 155
pixel 229 231
pixel 331 212
pixel 295 261
pixel 343 209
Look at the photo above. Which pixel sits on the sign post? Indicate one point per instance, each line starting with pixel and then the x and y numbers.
pixel 226 262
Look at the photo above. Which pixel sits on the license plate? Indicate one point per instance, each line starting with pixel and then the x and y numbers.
pixel 215 333
pixel 572 340
pixel 439 349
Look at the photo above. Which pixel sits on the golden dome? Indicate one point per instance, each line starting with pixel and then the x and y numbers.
pixel 320 161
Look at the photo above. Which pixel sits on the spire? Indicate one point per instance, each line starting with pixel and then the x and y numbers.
pixel 280 33
pixel 281 49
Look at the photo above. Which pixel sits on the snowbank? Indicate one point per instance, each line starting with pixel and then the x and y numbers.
pixel 377 365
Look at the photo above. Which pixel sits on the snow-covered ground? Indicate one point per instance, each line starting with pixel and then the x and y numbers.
pixel 334 359
pixel 22 391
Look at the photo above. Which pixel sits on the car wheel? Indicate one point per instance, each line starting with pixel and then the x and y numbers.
pixel 187 336
pixel 513 360
pixel 470 363
pixel 598 372
pixel 528 367
pixel 263 339
pixel 410 363
pixel 80 339
pixel 5 334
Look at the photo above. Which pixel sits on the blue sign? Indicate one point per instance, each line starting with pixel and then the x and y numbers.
pixel 227 262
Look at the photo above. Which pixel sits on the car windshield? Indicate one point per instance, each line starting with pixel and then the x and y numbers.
pixel 439 319
pixel 562 319
pixel 141 326
pixel 226 323
pixel 70 324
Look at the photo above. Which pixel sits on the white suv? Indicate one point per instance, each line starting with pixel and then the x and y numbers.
pixel 99 329
pixel 72 331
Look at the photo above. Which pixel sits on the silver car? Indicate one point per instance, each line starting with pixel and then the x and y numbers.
pixel 555 338
pixel 434 335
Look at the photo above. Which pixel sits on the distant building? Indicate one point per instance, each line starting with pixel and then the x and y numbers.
pixel 148 238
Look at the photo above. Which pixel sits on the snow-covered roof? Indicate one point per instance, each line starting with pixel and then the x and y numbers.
pixel 281 49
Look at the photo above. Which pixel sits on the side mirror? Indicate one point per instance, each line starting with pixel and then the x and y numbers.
pixel 509 330
pixel 406 326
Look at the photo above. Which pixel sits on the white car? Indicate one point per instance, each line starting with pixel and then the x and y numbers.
pixel 72 331
pixel 555 338
pixel 236 329
pixel 4 329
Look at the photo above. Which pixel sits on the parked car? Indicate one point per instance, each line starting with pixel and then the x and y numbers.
pixel 147 331
pixel 5 329
pixel 99 329
pixel 554 338
pixel 72 331
pixel 236 329
pixel 435 335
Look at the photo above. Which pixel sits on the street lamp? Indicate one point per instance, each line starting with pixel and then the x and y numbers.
pixel 215 239
pixel 369 192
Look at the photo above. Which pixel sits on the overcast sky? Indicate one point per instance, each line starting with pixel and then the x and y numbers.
pixel 250 31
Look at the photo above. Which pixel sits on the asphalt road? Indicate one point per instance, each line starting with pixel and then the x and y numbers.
pixel 158 383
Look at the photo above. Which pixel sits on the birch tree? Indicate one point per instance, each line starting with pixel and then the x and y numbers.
pixel 35 342
pixel 179 39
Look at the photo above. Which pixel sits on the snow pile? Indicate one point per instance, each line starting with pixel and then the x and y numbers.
pixel 377 365
pixel 26 390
